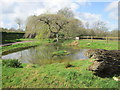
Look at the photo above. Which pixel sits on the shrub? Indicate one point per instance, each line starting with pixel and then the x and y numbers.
pixel 67 65
pixel 11 63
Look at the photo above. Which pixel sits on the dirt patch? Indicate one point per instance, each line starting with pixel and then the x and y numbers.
pixel 106 63
pixel 74 43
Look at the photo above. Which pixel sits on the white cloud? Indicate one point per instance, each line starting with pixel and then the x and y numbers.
pixel 111 26
pixel 12 9
pixel 23 8
pixel 92 18
pixel 112 9
pixel 112 6
pixel 88 17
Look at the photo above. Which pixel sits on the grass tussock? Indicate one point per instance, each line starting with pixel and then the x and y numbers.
pixel 12 63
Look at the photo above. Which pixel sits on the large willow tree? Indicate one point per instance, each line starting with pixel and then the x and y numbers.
pixel 52 26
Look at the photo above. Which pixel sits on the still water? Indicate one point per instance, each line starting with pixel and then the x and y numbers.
pixel 44 54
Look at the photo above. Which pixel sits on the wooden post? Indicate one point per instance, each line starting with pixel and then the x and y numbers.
pixel 87 37
pixel 92 38
pixel 106 39
pixel 57 37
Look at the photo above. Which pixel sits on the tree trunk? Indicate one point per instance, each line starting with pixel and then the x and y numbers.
pixel 92 38
pixel 19 26
pixel 57 37
pixel 106 39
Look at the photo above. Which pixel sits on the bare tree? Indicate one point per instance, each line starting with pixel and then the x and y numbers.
pixel 19 22
pixel 87 25
pixel 100 28
pixel 67 12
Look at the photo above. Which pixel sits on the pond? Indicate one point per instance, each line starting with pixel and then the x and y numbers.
pixel 43 54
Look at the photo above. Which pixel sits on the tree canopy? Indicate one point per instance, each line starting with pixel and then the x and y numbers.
pixel 52 26
pixel 63 24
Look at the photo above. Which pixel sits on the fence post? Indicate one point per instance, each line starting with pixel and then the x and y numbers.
pixel 92 38
pixel 106 39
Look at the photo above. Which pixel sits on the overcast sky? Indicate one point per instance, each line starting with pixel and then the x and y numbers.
pixel 87 11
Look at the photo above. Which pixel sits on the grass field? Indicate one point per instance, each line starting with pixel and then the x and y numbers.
pixel 96 44
pixel 18 40
pixel 55 76
pixel 20 46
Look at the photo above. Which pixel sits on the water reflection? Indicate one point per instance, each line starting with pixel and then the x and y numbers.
pixel 43 54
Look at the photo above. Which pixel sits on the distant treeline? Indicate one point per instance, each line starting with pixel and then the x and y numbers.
pixel 11 30
pixel 8 37
pixel 63 24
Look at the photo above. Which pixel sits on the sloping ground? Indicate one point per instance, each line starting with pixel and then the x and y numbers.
pixel 19 46
pixel 55 76
pixel 14 43
pixel 107 62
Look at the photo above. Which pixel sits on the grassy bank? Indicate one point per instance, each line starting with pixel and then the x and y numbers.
pixel 55 76
pixel 19 46
pixel 96 44
pixel 18 40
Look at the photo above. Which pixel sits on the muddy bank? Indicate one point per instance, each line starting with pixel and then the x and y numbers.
pixel 106 63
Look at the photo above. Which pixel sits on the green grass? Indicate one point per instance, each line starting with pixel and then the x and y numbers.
pixel 0 74
pixel 21 46
pixel 96 44
pixel 18 40
pixel 55 76
pixel 61 52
